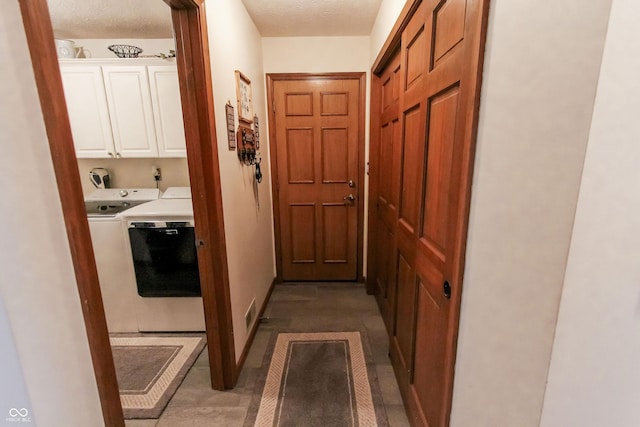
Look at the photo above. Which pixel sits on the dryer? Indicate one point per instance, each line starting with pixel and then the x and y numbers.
pixel 161 244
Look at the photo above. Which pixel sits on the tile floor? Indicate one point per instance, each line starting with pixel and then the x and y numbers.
pixel 333 306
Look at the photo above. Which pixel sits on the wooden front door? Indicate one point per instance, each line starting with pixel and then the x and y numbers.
pixel 424 115
pixel 316 133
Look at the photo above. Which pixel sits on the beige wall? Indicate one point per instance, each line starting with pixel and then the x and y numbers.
pixel 38 287
pixel 235 45
pixel 387 16
pixel 538 89
pixel 315 54
pixel 128 173
pixel 594 378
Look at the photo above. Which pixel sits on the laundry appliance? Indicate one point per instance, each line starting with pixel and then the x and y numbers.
pixel 162 245
pixel 115 270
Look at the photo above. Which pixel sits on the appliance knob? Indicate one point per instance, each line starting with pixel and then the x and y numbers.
pixel 124 193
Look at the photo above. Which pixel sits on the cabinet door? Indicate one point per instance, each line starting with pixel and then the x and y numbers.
pixel 88 112
pixel 167 110
pixel 127 89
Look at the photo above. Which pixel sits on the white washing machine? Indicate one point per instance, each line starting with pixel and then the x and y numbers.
pixel 161 243
pixel 115 269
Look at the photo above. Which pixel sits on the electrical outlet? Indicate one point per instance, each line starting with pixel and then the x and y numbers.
pixel 157 175
pixel 250 314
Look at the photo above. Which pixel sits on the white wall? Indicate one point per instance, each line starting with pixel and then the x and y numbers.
pixel 235 45
pixel 13 389
pixel 538 89
pixel 594 379
pixel 38 287
pixel 387 16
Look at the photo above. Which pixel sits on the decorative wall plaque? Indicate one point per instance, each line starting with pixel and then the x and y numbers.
pixel 256 131
pixel 243 93
pixel 231 119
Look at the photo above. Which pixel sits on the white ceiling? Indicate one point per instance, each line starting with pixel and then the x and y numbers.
pixel 282 18
pixel 99 19
pixel 110 19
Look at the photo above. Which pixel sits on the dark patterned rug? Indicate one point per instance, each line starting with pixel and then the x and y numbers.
pixel 150 369
pixel 318 379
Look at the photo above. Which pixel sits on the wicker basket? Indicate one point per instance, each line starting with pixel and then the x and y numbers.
pixel 125 50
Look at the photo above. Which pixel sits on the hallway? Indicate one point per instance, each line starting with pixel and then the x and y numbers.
pixel 295 307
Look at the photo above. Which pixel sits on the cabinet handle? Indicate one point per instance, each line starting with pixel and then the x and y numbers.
pixel 110 154
pixel 117 155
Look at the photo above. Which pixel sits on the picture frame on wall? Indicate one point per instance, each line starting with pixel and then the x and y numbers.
pixel 244 97
pixel 231 119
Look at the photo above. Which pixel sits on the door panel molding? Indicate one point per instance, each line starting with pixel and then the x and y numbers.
pixel 427 79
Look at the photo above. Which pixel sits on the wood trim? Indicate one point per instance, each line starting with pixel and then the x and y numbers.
pixel 393 40
pixel 194 71
pixel 196 90
pixel 254 329
pixel 374 144
pixel 361 176
pixel 39 32
pixel 271 79
pixel 275 183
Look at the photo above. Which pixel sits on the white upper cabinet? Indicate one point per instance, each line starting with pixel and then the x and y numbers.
pixel 124 108
pixel 129 103
pixel 88 112
pixel 167 110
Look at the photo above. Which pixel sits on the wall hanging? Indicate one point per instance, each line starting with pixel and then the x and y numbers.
pixel 231 121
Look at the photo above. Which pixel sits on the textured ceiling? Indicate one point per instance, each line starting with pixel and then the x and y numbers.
pixel 105 19
pixel 282 18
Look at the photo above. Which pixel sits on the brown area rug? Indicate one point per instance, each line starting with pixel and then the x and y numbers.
pixel 150 369
pixel 318 379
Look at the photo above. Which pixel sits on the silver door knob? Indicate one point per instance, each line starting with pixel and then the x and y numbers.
pixel 350 198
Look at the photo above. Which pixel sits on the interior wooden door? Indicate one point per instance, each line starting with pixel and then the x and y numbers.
pixel 385 190
pixel 423 140
pixel 316 137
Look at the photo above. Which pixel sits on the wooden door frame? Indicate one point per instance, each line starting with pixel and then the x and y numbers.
pixel 474 59
pixel 271 79
pixel 194 73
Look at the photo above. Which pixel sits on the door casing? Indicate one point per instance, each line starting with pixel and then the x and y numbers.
pixel 196 89
pixel 273 77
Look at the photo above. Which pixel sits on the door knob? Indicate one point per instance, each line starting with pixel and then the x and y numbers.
pixel 350 198
pixel 351 183
pixel 446 287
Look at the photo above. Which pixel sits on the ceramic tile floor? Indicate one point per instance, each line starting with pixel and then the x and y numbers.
pixel 332 306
